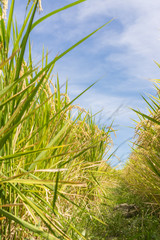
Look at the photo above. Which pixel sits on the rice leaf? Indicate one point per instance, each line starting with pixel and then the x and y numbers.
pixel 56 11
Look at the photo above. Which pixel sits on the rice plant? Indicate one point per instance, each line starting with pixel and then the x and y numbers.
pixel 143 169
pixel 51 161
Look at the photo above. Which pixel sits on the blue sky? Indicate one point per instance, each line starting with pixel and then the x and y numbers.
pixel 121 55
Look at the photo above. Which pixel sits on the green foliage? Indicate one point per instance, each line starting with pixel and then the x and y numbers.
pixel 51 162
pixel 145 225
pixel 54 182
pixel 143 169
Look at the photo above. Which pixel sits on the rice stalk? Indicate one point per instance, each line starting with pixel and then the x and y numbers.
pixel 50 159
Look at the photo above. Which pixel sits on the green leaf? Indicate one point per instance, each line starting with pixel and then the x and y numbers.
pixel 43 182
pixel 27 225
pixel 52 142
pixel 10 17
pixel 24 42
pixel 16 43
pixel 8 88
pixel 147 117
pixel 7 60
pixel 49 224
pixel 56 11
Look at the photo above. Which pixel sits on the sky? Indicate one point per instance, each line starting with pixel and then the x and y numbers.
pixel 121 56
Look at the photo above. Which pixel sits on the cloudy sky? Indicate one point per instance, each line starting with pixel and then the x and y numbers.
pixel 121 56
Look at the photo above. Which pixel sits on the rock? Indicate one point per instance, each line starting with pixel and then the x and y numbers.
pixel 127 210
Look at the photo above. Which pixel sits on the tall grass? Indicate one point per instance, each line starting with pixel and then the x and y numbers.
pixel 51 162
pixel 143 169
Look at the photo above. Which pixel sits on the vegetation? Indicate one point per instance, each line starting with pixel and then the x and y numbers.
pixel 143 169
pixel 51 160
pixel 143 225
pixel 54 182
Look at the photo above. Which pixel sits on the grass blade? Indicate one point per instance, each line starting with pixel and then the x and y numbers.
pixel 56 11
pixel 27 225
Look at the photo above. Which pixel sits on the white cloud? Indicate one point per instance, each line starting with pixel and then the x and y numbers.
pixel 139 37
